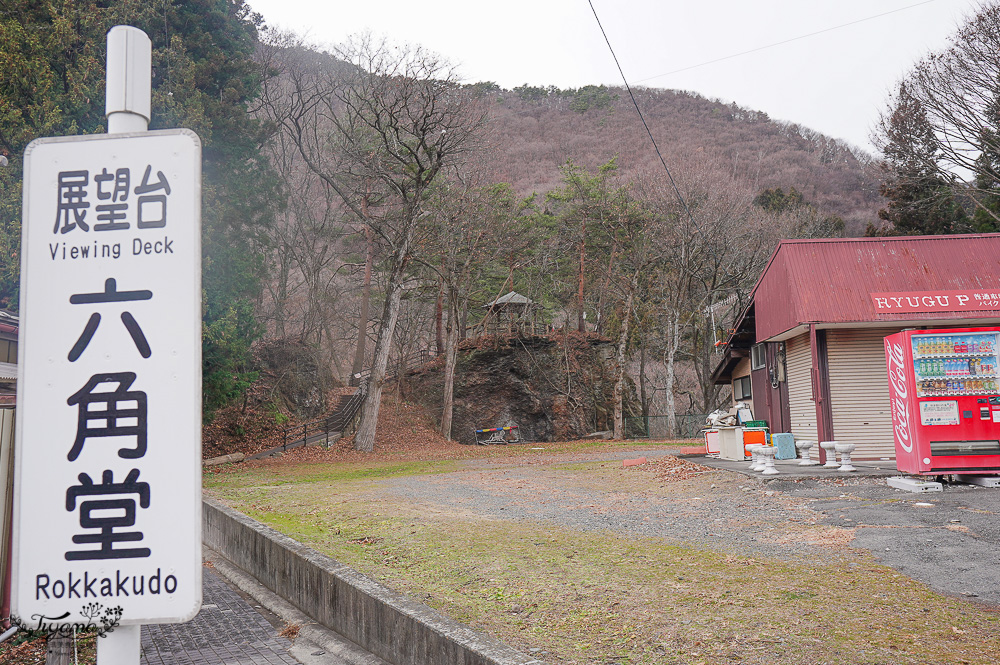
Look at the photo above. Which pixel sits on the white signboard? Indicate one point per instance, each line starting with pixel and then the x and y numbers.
pixel 939 413
pixel 108 513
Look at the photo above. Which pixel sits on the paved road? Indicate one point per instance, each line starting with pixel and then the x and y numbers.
pixel 949 540
pixel 228 630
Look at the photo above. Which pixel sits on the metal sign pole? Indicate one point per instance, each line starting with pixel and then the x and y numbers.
pixel 129 80
pixel 127 108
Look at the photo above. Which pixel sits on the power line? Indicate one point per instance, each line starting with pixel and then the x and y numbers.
pixel 677 192
pixel 785 41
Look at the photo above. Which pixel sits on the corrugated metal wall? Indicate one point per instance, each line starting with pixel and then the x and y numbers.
pixel 802 410
pixel 859 392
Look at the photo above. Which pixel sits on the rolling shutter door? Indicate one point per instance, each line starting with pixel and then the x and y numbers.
pixel 801 408
pixel 859 392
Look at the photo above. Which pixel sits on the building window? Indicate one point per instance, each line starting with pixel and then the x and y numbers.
pixel 757 356
pixel 741 388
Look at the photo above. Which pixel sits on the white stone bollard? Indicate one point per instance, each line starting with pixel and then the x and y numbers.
pixel 754 457
pixel 767 452
pixel 845 450
pixel 831 455
pixel 804 452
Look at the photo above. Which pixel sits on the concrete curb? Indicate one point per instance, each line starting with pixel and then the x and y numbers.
pixel 791 470
pixel 379 620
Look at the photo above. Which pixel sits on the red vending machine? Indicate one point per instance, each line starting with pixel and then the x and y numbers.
pixel 943 388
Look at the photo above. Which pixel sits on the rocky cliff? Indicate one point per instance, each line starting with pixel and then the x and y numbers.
pixel 555 388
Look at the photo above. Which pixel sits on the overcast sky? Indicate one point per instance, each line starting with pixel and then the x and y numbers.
pixel 835 82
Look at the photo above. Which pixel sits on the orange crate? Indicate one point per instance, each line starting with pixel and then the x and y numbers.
pixel 751 437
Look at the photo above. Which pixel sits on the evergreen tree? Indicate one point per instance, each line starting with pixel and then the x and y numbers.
pixel 777 201
pixel 920 201
pixel 987 180
pixel 51 84
pixel 52 71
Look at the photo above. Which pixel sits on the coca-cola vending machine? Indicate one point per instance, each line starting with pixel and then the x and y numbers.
pixel 943 388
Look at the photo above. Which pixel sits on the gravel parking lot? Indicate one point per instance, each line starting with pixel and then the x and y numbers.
pixel 565 552
pixel 948 540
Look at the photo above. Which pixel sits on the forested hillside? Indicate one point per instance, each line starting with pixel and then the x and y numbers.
pixel 539 129
pixel 52 73
pixel 411 193
pixel 366 203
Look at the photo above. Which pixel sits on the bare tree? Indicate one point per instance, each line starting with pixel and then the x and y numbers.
pixel 307 249
pixel 959 91
pixel 469 231
pixel 378 123
pixel 715 248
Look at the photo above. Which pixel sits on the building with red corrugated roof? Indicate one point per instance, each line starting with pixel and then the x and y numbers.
pixel 808 349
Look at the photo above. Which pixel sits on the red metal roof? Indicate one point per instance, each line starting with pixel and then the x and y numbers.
pixel 8 322
pixel 831 280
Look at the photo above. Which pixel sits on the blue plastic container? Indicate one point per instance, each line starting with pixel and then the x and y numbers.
pixel 784 446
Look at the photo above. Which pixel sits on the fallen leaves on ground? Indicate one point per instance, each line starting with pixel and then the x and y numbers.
pixel 669 467
pixel 290 631
pixel 26 653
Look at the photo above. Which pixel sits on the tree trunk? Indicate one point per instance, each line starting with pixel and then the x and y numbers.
pixel 642 383
pixel 580 320
pixel 439 320
pixel 670 405
pixel 463 321
pixel 366 291
pixel 450 361
pixel 619 426
pixel 599 323
pixel 364 440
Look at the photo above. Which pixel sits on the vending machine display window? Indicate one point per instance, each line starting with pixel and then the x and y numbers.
pixel 955 364
pixel 943 390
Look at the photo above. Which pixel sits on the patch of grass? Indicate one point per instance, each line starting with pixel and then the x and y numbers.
pixel 583 466
pixel 345 473
pixel 600 597
pixel 326 473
